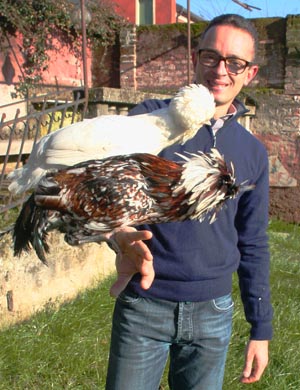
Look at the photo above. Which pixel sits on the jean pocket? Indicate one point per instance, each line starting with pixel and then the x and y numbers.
pixel 128 297
pixel 223 304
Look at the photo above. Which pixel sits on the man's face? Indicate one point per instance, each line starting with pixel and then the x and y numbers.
pixel 226 41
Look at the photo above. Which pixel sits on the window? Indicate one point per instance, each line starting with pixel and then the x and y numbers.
pixel 146 12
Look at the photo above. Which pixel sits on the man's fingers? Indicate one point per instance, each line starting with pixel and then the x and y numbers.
pixel 146 282
pixel 132 242
pixel 119 285
pixel 256 360
pixel 147 277
pixel 141 235
pixel 139 250
pixel 247 369
pixel 132 236
pixel 253 375
pixel 134 256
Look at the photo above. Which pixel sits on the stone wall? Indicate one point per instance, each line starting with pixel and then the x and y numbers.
pixel 277 125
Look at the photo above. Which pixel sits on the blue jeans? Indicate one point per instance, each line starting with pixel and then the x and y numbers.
pixel 146 331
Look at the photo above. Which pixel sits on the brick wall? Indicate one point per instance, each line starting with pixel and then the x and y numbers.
pixel 161 62
pixel 292 79
pixel 161 54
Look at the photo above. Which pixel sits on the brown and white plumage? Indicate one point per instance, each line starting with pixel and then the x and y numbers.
pixel 89 200
pixel 110 135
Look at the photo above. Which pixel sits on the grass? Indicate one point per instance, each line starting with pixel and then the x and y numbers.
pixel 8 218
pixel 284 367
pixel 67 348
pixel 59 349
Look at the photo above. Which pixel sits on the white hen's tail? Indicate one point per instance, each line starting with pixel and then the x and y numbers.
pixel 23 179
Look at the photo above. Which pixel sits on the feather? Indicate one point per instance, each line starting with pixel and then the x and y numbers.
pixel 110 135
pixel 89 200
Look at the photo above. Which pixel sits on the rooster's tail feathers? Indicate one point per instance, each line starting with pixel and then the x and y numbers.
pixel 29 230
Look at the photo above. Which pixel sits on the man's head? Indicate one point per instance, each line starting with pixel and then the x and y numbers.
pixel 225 58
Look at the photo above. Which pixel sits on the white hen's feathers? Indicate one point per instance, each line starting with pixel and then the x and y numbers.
pixel 110 135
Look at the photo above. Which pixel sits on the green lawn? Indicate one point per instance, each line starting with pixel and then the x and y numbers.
pixel 68 348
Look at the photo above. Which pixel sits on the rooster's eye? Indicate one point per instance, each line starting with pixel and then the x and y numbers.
pixel 225 180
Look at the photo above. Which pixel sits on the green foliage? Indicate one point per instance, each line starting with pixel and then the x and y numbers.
pixel 41 22
pixel 105 24
pixel 67 348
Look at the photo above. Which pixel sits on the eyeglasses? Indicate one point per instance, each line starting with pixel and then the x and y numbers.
pixel 211 59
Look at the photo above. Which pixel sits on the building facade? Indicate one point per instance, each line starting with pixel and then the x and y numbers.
pixel 143 12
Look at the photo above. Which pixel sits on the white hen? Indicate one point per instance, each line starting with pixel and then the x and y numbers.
pixel 110 135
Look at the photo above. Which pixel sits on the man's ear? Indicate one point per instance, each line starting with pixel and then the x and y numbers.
pixel 252 72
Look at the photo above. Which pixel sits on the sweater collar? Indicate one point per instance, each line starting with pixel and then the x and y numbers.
pixel 236 110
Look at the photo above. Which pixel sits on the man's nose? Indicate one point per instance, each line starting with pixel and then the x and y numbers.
pixel 220 68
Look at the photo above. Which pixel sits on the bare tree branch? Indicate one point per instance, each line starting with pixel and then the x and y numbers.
pixel 246 6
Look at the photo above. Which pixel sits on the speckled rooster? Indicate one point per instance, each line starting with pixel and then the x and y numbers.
pixel 89 200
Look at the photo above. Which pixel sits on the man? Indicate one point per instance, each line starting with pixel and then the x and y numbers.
pixel 178 303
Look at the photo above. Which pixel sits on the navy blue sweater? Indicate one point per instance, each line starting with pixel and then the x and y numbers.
pixel 195 261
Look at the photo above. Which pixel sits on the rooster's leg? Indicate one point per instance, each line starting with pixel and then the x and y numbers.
pixel 85 239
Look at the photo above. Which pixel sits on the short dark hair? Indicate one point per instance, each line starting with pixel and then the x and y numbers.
pixel 236 21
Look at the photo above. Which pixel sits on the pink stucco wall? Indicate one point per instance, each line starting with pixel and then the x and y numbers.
pixel 64 68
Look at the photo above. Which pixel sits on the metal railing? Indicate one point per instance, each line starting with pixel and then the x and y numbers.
pixel 19 134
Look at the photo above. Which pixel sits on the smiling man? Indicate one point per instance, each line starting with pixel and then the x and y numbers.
pixel 225 63
pixel 178 300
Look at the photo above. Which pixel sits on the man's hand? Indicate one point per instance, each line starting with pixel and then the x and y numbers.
pixel 134 257
pixel 256 360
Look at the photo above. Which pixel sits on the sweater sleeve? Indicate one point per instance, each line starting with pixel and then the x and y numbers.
pixel 254 269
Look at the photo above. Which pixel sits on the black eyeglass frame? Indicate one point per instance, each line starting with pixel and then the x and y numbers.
pixel 225 59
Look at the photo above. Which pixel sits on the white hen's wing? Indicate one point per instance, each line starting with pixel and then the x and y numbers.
pixel 103 137
pixel 95 138
pixel 109 135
